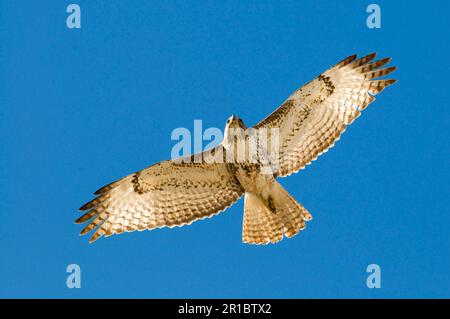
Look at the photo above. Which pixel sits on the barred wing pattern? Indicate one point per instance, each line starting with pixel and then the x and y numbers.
pixel 169 193
pixel 312 119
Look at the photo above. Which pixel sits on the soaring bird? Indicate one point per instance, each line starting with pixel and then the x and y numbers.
pixel 179 191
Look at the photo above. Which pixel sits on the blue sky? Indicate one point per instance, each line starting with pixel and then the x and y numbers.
pixel 81 108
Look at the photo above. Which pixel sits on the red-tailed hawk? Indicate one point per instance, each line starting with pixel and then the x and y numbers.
pixel 178 192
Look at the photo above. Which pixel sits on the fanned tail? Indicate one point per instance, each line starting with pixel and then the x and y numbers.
pixel 266 221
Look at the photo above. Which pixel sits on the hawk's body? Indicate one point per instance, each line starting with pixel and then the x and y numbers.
pixel 178 192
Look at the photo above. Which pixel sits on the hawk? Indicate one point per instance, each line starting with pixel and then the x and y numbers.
pixel 180 191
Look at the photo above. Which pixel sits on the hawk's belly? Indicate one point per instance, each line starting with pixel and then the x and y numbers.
pixel 250 165
pixel 251 177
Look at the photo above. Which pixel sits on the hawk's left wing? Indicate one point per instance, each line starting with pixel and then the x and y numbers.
pixel 169 193
pixel 314 117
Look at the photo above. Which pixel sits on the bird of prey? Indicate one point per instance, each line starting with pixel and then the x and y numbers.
pixel 179 191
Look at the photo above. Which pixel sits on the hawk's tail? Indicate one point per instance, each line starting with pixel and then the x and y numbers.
pixel 267 221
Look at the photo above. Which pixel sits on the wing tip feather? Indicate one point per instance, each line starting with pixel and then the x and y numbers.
pixel 94 238
pixel 84 218
pixel 346 61
pixel 86 206
pixel 389 82
pixel 106 188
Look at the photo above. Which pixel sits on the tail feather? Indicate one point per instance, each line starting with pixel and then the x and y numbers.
pixel 260 225
pixel 267 221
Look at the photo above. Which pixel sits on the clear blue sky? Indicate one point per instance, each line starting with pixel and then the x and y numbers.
pixel 81 108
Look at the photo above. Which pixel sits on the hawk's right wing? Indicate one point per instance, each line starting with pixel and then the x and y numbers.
pixel 169 193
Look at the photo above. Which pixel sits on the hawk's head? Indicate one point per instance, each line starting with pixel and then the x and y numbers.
pixel 235 122
pixel 235 129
